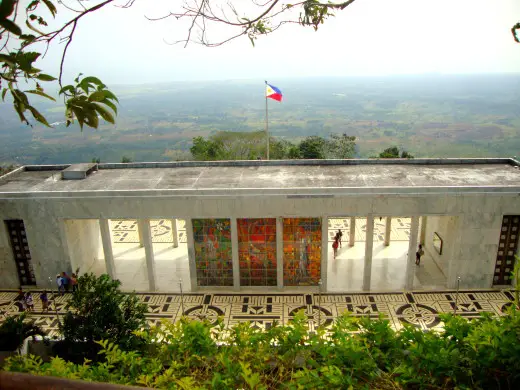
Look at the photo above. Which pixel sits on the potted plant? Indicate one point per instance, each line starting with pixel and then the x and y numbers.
pixel 13 332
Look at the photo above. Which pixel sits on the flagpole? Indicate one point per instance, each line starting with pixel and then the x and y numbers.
pixel 266 125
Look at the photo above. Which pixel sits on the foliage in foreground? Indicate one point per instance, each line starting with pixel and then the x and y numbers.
pixel 13 331
pixel 100 311
pixel 358 353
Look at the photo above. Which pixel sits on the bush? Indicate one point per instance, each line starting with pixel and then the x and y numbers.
pixel 355 353
pixel 100 311
pixel 14 330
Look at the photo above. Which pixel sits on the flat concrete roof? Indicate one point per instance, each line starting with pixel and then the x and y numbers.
pixel 299 175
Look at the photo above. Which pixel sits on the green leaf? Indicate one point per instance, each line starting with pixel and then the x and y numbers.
pixel 67 88
pixel 51 7
pixel 41 93
pixel 91 79
pixel 6 8
pixel 110 104
pixel 10 26
pixel 33 28
pixel 105 114
pixel 39 117
pixel 78 113
pixel 32 5
pixel 96 96
pixel 45 77
pixel 9 60
pixel 110 95
pixel 3 94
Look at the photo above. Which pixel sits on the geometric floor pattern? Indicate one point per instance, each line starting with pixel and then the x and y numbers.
pixel 420 309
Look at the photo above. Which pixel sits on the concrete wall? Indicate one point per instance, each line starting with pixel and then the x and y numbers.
pixel 7 264
pixel 475 238
pixel 446 227
pixel 84 244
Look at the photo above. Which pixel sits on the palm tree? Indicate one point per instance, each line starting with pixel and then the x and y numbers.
pixel 13 331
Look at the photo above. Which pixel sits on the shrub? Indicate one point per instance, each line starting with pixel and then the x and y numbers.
pixel 355 353
pixel 14 330
pixel 100 311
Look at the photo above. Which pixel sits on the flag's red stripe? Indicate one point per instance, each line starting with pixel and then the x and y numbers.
pixel 276 96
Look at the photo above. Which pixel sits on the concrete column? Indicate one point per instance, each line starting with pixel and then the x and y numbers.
pixel 279 252
pixel 412 248
pixel 191 254
pixel 324 251
pixel 234 254
pixel 367 272
pixel 141 237
pixel 175 234
pixel 144 227
pixel 388 230
pixel 352 237
pixel 106 239
pixel 423 230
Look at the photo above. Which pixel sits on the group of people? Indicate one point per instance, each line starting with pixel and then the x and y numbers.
pixel 337 242
pixel 65 282
pixel 27 302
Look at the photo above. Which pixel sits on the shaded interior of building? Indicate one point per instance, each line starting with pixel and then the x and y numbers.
pixel 301 242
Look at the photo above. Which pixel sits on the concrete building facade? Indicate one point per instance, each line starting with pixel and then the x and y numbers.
pixel 261 224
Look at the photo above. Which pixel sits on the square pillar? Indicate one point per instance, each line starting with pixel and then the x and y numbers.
pixel 234 254
pixel 175 233
pixel 352 234
pixel 106 239
pixel 279 252
pixel 422 238
pixel 191 254
pixel 412 248
pixel 367 272
pixel 388 230
pixel 324 251
pixel 144 227
pixel 140 232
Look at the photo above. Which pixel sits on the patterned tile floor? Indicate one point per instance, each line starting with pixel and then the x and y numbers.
pixel 420 309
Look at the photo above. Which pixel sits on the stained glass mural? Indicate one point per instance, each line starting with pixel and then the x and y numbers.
pixel 213 259
pixel 301 251
pixel 257 251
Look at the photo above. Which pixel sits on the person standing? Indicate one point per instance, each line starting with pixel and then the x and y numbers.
pixel 419 254
pixel 29 301
pixel 339 234
pixel 21 298
pixel 74 282
pixel 59 282
pixel 45 300
pixel 335 246
pixel 66 280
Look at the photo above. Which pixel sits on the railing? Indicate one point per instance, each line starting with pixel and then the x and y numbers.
pixel 18 381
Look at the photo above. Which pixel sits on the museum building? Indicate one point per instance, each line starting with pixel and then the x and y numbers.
pixel 264 225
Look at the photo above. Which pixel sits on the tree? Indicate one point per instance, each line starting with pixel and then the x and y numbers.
pixel 341 146
pixel 313 147
pixel 126 160
pixel 393 152
pixel 100 311
pixel 7 168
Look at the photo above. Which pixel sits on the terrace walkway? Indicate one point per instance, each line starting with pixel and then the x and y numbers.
pixel 420 309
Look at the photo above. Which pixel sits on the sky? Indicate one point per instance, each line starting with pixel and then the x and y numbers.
pixel 370 37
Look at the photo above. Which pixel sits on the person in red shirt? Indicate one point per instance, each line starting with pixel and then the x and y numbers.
pixel 335 246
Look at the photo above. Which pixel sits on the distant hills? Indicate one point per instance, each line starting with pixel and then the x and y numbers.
pixel 428 115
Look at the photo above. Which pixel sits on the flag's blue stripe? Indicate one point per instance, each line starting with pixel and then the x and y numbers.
pixel 275 89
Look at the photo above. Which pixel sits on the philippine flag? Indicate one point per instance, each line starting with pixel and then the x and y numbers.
pixel 272 92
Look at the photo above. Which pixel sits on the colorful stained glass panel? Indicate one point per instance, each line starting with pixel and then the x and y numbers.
pixel 301 251
pixel 213 258
pixel 257 251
